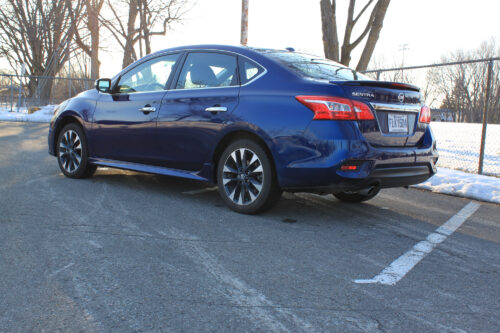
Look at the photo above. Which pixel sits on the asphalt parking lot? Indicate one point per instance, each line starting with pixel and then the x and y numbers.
pixel 125 251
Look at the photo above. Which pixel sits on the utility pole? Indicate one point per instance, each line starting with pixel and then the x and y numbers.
pixel 403 48
pixel 244 22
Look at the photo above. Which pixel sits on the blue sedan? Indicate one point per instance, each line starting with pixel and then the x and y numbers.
pixel 253 121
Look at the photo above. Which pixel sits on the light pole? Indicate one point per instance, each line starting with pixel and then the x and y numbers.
pixel 244 22
pixel 403 47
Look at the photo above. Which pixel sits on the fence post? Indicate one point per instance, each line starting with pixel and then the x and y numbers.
pixel 19 92
pixel 378 75
pixel 485 117
pixel 69 88
pixel 11 93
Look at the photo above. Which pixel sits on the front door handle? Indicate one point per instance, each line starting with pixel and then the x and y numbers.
pixel 216 109
pixel 148 109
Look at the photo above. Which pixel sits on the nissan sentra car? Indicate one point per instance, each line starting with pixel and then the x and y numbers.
pixel 254 121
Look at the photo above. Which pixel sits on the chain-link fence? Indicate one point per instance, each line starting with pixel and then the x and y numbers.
pixel 465 101
pixel 22 92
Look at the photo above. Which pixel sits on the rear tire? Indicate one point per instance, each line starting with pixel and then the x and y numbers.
pixel 246 179
pixel 72 152
pixel 358 196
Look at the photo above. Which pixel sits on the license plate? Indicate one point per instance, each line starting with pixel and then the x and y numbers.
pixel 398 123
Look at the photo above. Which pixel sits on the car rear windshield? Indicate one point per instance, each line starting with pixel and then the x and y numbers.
pixel 314 67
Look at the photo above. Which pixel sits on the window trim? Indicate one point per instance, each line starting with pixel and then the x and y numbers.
pixel 186 51
pixel 176 70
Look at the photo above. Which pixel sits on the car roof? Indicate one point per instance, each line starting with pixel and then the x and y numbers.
pixel 244 50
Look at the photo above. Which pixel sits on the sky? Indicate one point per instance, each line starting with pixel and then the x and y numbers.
pixel 431 28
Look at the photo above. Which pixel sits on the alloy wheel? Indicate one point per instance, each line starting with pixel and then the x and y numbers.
pixel 70 151
pixel 243 176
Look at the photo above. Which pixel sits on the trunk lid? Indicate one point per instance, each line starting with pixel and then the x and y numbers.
pixel 396 107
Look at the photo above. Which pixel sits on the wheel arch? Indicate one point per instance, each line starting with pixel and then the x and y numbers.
pixel 233 136
pixel 66 118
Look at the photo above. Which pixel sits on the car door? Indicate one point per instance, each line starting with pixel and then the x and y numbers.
pixel 124 120
pixel 195 109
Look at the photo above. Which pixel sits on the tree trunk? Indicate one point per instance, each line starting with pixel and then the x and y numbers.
pixel 145 29
pixel 329 26
pixel 128 54
pixel 93 26
pixel 345 52
pixel 380 11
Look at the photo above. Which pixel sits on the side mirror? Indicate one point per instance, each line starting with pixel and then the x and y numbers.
pixel 103 85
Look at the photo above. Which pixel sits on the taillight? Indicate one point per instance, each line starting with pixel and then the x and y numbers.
pixel 336 108
pixel 425 115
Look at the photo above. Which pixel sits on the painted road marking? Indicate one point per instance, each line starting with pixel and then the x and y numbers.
pixel 95 244
pixel 266 315
pixel 401 266
pixel 207 189
pixel 61 269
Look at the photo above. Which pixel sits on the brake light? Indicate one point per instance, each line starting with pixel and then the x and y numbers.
pixel 336 108
pixel 425 115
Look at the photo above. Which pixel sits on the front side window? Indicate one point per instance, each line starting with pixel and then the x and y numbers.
pixel 208 70
pixel 151 75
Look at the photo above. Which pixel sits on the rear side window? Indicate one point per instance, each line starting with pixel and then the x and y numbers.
pixel 315 68
pixel 249 70
pixel 208 70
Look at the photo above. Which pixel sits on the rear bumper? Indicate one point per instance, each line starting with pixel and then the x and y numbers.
pixel 313 163
pixel 380 176
pixel 378 166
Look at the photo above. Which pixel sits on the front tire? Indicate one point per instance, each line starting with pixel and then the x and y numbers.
pixel 246 179
pixel 72 152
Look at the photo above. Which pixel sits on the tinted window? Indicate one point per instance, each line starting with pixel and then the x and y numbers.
pixel 151 75
pixel 249 70
pixel 314 67
pixel 208 70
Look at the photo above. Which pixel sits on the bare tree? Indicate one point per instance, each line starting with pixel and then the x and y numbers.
pixel 38 34
pixel 137 21
pixel 372 29
pixel 92 11
pixel 463 86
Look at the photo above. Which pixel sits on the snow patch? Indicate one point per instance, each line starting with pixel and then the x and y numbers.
pixel 41 116
pixel 463 184
pixel 458 145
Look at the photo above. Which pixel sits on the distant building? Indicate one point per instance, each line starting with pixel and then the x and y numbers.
pixel 442 115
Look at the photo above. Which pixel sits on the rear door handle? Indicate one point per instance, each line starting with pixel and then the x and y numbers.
pixel 148 109
pixel 216 109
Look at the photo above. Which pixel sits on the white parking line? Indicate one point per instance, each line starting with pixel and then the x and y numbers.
pixel 61 269
pixel 266 315
pixel 401 266
pixel 207 189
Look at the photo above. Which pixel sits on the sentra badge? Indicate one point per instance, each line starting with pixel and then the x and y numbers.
pixel 363 94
